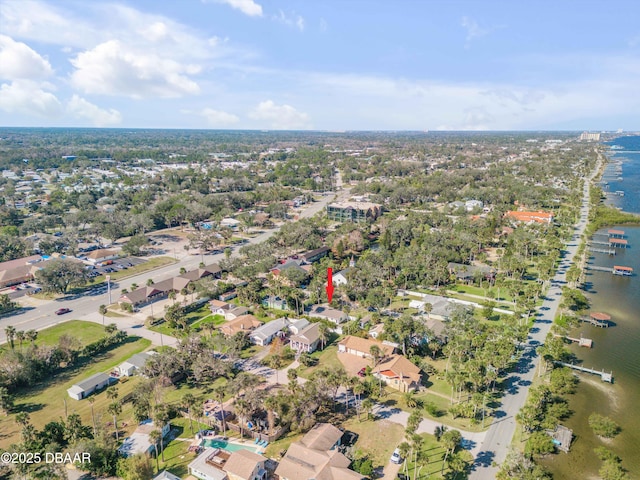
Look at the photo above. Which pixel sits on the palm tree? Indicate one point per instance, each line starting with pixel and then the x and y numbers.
pixel 242 409
pixel 376 354
pixel 358 389
pixel 102 310
pixel 188 402
pixel 31 336
pixel 22 418
pixel 10 332
pixel 160 418
pixel 405 449
pixel 410 399
pixel 220 391
pixel 367 406
pixel 323 334
pixel 115 409
pixel 112 393
pixel 275 362
pixel 271 403
pixel 111 329
pixel 450 439
pixel 154 436
pixel 20 336
pixel 92 400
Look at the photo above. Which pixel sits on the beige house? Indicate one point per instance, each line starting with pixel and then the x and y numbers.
pixel 398 372
pixel 243 323
pixel 219 464
pixel 361 347
pixel 245 465
pixel 315 456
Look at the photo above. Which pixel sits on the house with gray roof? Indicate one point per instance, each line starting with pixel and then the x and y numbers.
pixel 307 340
pixel 134 364
pixel 266 333
pixel 86 387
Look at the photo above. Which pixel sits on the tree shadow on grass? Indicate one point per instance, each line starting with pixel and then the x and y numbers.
pixel 65 374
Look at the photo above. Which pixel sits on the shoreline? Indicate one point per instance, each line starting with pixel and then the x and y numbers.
pixel 608 400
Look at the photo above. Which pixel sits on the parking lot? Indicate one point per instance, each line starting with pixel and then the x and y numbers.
pixel 113 266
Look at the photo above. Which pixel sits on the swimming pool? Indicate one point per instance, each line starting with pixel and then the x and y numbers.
pixel 229 447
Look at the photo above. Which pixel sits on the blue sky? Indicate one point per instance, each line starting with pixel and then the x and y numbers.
pixel 321 64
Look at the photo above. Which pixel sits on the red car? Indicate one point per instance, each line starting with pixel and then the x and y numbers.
pixel 362 372
pixel 62 311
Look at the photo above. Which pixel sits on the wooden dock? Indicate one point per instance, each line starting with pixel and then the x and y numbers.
pixel 599 269
pixel 598 319
pixel 611 243
pixel 610 251
pixel 583 342
pixel 604 376
pixel 616 270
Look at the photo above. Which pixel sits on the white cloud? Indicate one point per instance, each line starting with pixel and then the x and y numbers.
pixel 81 108
pixel 248 7
pixel 18 60
pixel 112 68
pixel 27 97
pixel 216 118
pixel 293 20
pixel 280 117
pixel 474 30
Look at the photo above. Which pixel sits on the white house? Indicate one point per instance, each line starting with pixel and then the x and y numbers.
pixel 85 388
pixel 133 364
pixel 266 333
pixel 140 439
pixel 231 223
pixel 470 205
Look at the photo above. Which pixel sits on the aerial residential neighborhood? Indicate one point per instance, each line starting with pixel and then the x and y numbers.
pixel 215 336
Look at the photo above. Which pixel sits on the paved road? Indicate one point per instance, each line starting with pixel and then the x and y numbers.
pixel 496 443
pixel 84 307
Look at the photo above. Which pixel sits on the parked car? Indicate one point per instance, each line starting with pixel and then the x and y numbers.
pixel 362 372
pixel 62 311
pixel 395 456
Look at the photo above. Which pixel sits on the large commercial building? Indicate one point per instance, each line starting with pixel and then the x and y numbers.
pixel 359 212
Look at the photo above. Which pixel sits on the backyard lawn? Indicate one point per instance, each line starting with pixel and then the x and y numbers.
pixel 325 358
pixel 176 453
pixel 193 318
pixel 49 401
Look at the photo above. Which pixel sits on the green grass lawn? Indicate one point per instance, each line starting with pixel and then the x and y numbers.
pixel 85 332
pixel 48 400
pixel 176 455
pixel 274 448
pixel 432 453
pixel 193 318
pixel 211 318
pixel 376 438
pixel 326 358
pixel 473 290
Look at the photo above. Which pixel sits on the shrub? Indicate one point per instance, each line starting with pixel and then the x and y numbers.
pixel 603 426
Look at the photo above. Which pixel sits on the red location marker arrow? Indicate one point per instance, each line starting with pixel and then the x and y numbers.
pixel 329 284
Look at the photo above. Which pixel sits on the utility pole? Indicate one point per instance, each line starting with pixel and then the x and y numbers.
pixel 108 278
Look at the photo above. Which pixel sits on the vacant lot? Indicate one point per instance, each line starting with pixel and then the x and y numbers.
pixel 377 439
pixel 49 401
pixel 85 332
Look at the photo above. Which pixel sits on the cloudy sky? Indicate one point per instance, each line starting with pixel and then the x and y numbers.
pixel 321 64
